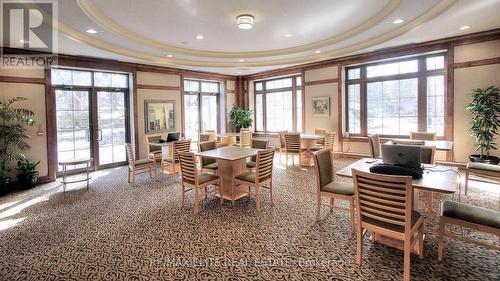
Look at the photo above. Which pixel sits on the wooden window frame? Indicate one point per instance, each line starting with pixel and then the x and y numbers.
pixel 200 93
pixel 294 88
pixel 421 75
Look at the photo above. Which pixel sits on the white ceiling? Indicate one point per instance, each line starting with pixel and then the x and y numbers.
pixel 145 31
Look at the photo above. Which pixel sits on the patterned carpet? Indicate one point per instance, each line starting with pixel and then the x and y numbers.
pixel 114 232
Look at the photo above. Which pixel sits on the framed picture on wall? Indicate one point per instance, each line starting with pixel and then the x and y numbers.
pixel 321 106
pixel 159 116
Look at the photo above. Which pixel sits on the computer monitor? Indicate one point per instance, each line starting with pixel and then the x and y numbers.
pixel 173 136
pixel 401 155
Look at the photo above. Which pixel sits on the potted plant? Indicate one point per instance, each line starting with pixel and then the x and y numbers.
pixel 29 175
pixel 13 134
pixel 240 117
pixel 485 113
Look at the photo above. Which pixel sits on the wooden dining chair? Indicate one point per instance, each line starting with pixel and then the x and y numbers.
pixel 136 167
pixel 258 144
pixel 154 151
pixel 198 182
pixel 281 142
pixel 203 137
pixel 245 138
pixel 327 187
pixel 292 147
pixel 328 143
pixel 384 207
pixel 209 164
pixel 261 178
pixel 423 136
pixel 320 132
pixel 374 143
pixel 178 147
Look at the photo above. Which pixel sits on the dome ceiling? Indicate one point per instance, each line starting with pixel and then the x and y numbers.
pixel 285 32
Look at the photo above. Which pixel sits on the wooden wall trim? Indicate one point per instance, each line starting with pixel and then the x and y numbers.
pixel 158 87
pixel 136 113
pixel 319 82
pixel 339 107
pixel 25 80
pixel 477 63
pixel 450 99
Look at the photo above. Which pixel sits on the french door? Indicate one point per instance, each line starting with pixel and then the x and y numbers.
pixel 92 123
pixel 200 114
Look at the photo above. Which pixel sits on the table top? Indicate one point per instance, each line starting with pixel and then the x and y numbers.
pixel 229 153
pixel 439 144
pixel 435 177
pixel 310 137
pixel 75 161
pixel 157 143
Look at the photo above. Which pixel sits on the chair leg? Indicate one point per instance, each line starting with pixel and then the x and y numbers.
pixel 128 174
pixel 219 190
pixel 257 198
pixel 359 246
pixel 441 239
pixel 421 242
pixel 182 196
pixel 206 192
pixel 407 256
pixel 286 159
pixel 351 207
pixel 429 211
pixel 271 192
pixel 196 199
pixel 318 206
pixel 332 202
pixel 132 175
pixel 466 181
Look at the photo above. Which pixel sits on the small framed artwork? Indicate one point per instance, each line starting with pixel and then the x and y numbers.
pixel 321 106
pixel 159 116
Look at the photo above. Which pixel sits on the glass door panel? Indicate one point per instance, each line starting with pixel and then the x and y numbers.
pixel 73 125
pixel 111 128
pixel 209 112
pixel 191 117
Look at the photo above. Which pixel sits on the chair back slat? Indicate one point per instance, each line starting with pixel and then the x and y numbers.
pixel 181 146
pixel 281 135
pixel 206 146
pixel 422 136
pixel 130 155
pixel 320 132
pixel 383 199
pixel 292 143
pixel 427 154
pixel 264 168
pixel 374 143
pixel 323 165
pixel 188 167
pixel 330 140
pixel 154 138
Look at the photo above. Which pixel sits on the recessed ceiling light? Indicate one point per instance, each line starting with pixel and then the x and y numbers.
pixel 288 35
pixel 239 72
pixel 318 51
pixel 398 21
pixel 169 55
pixel 91 30
pixel 464 27
pixel 23 41
pixel 199 37
pixel 241 60
pixel 244 21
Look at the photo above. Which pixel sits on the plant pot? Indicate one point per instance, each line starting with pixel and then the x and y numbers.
pixel 485 159
pixel 27 180
pixel 4 183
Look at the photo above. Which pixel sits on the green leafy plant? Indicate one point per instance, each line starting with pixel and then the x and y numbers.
pixel 13 135
pixel 485 113
pixel 240 117
pixel 25 165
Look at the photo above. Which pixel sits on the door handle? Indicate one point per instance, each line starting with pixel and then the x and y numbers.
pixel 99 134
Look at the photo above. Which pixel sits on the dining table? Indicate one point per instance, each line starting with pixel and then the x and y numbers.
pixel 231 161
pixel 435 178
pixel 307 143
pixel 167 150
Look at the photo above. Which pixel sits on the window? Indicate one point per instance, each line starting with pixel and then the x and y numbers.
pixel 398 97
pixel 278 104
pixel 201 107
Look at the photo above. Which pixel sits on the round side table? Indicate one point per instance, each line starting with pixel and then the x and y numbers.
pixel 77 161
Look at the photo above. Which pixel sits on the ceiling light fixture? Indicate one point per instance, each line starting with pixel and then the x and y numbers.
pixel 244 21
pixel 199 37
pixel 288 35
pixel 91 30
pixel 241 60
pixel 464 27
pixel 398 21
pixel 169 55
pixel 318 51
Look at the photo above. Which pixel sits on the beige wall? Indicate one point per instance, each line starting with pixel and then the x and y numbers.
pixel 149 78
pixel 35 93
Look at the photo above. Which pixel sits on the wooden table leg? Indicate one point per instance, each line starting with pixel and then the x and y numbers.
pixel 227 170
